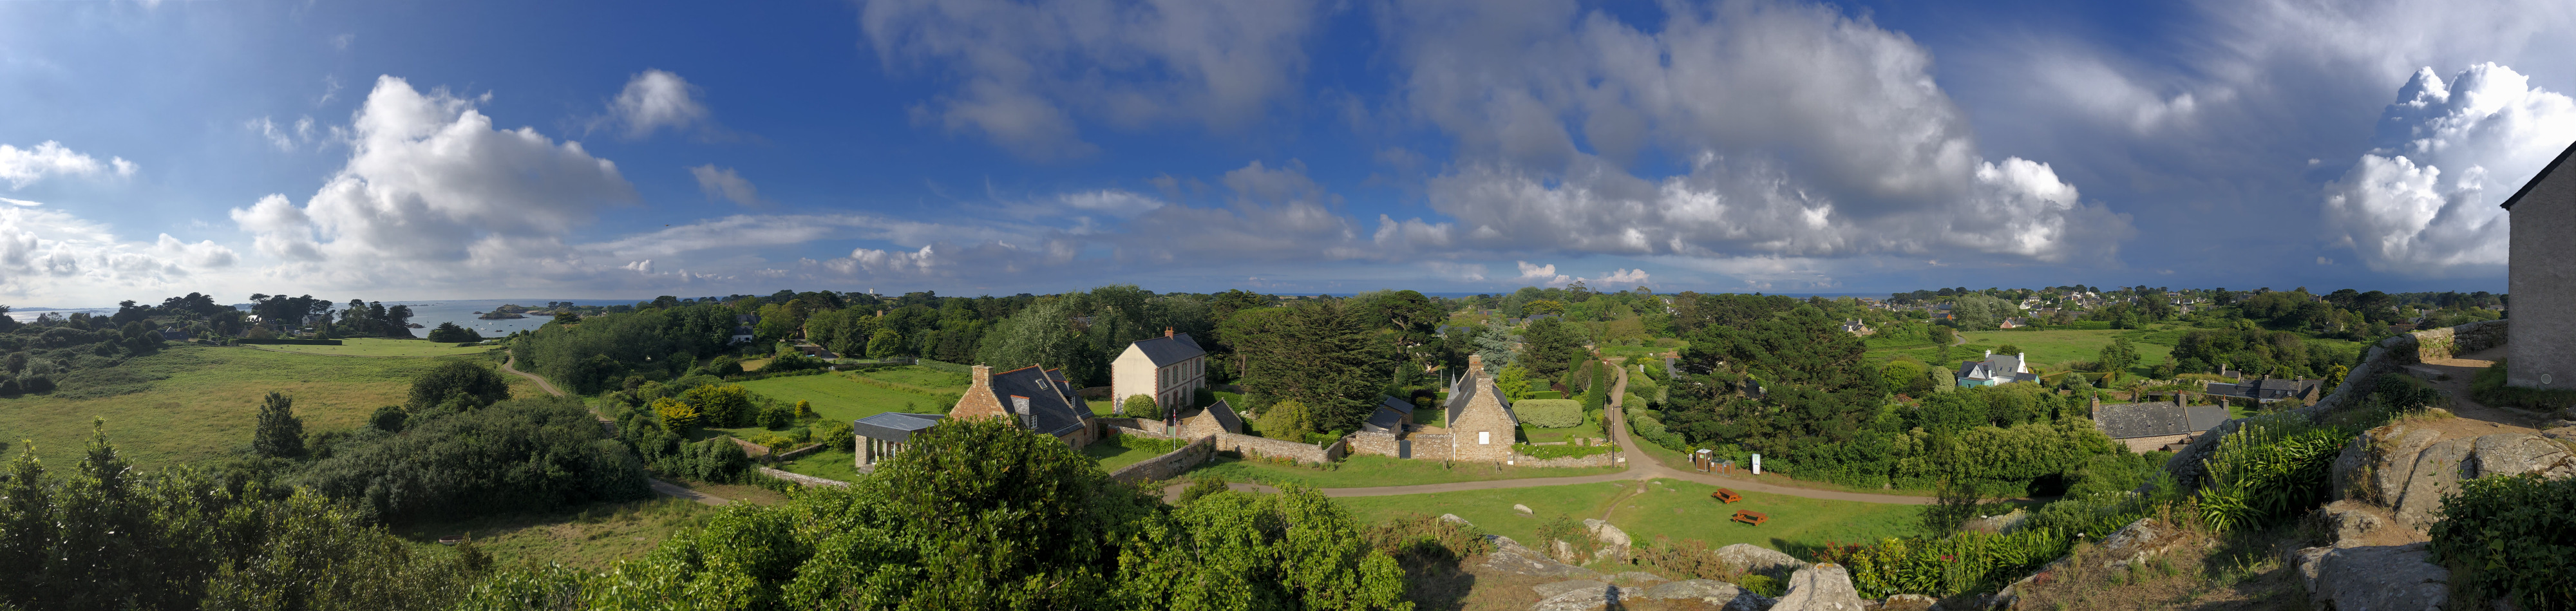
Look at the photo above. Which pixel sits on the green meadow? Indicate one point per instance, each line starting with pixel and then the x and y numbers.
pixel 202 400
pixel 1675 509
pixel 381 347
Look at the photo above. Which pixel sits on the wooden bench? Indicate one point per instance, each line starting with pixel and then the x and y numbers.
pixel 1725 496
pixel 1750 517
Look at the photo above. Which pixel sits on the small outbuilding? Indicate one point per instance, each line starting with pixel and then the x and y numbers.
pixel 883 435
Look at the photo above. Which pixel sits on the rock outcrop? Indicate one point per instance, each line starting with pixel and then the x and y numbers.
pixel 1611 543
pixel 1823 587
pixel 1752 558
pixel 1510 557
pixel 1721 594
pixel 2388 485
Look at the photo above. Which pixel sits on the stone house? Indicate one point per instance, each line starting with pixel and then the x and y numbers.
pixel 2540 343
pixel 1210 420
pixel 1032 397
pixel 1480 420
pixel 2148 427
pixel 1388 431
pixel 1168 369
pixel 883 435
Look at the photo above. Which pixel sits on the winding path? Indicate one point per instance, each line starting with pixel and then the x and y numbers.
pixel 1641 466
pixel 665 488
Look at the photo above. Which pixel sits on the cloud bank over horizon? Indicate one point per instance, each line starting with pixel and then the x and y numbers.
pixel 996 146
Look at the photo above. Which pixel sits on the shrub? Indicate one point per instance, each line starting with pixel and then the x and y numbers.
pixel 1648 425
pixel 2267 470
pixel 1563 451
pixel 1140 406
pixel 2511 537
pixel 1421 537
pixel 1955 564
pixel 532 454
pixel 1549 413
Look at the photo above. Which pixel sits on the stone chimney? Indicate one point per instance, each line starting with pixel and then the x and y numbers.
pixel 1990 355
pixel 1167 331
pixel 983 378
pixel 1475 365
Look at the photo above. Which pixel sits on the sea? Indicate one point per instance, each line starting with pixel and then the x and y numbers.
pixel 427 313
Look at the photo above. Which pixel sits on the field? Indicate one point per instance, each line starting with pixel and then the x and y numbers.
pixel 205 401
pixel 1676 509
pixel 1118 451
pixel 839 396
pixel 376 346
pixel 1371 471
pixel 2044 348
pixel 838 463
pixel 591 537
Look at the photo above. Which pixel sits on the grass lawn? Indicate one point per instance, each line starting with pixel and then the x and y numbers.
pixel 1675 509
pixel 2058 346
pixel 756 364
pixel 207 399
pixel 837 463
pixel 1118 451
pixel 377 346
pixel 589 537
pixel 924 378
pixel 839 397
pixel 1372 471
pixel 1590 428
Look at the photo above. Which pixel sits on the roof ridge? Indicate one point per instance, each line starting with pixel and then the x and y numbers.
pixel 2537 177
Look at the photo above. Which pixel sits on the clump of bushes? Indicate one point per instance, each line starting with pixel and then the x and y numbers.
pixel 1563 451
pixel 1549 413
pixel 2510 537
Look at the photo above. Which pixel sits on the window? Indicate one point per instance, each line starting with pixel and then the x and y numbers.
pixel 1484 437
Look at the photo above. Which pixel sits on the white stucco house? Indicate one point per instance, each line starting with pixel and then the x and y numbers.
pixel 1167 368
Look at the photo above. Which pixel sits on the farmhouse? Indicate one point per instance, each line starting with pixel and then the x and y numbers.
pixel 2540 344
pixel 2148 427
pixel 1167 368
pixel 1480 420
pixel 883 435
pixel 1996 371
pixel 1032 397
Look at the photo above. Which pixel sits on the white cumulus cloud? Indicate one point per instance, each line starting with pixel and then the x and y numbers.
pixel 434 193
pixel 23 166
pixel 656 99
pixel 51 254
pixel 2425 200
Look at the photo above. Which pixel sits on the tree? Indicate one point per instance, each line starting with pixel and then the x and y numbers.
pixel 1319 354
pixel 1550 347
pixel 885 343
pixel 458 385
pixel 279 434
pixel 1140 406
pixel 2120 355
pixel 2008 349
pixel 450 333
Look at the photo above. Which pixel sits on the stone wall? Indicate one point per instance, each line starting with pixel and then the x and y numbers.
pixel 2389 356
pixel 1597 460
pixel 802 479
pixel 1129 430
pixel 1263 446
pixel 1169 465
pixel 793 454
pixel 1430 446
pixel 1380 444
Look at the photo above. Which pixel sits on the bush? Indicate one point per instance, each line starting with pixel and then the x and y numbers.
pixel 1563 451
pixel 1549 413
pixel 1648 425
pixel 533 454
pixel 450 333
pixel 1956 564
pixel 2511 537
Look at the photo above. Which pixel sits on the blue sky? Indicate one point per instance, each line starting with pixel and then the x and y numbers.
pixel 395 150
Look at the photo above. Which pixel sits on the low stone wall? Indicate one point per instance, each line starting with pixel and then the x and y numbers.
pixel 1430 446
pixel 793 454
pixel 2389 356
pixel 802 479
pixel 753 450
pixel 1154 431
pixel 1379 444
pixel 1169 465
pixel 1597 460
pixel 1280 448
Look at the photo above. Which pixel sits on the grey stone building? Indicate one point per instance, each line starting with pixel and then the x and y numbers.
pixel 2540 345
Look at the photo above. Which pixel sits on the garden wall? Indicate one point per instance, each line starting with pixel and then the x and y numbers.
pixel 802 479
pixel 793 454
pixel 1596 460
pixel 2389 356
pixel 1381 444
pixel 1169 465
pixel 1431 446
pixel 1263 446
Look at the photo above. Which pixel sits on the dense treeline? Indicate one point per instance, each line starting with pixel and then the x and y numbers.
pixel 77 353
pixel 982 515
pixel 106 536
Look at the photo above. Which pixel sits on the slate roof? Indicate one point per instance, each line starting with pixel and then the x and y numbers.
pixel 1225 416
pixel 1389 416
pixel 1464 390
pixel 896 427
pixel 2132 420
pixel 2537 177
pixel 1051 411
pixel 2004 367
pixel 1164 351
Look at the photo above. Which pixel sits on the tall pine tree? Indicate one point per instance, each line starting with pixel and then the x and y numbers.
pixel 280 433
